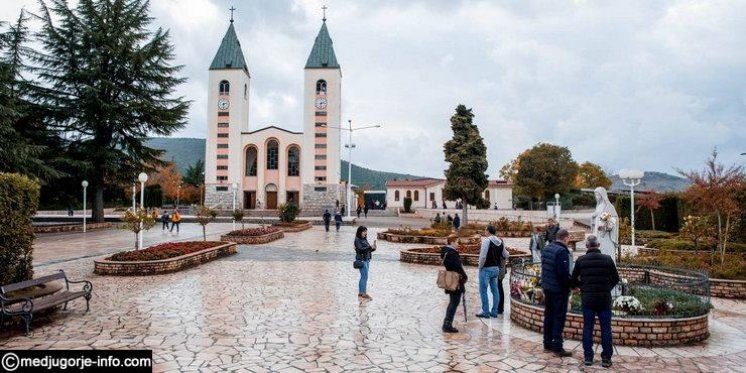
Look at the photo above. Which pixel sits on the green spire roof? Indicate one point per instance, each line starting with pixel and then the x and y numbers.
pixel 322 53
pixel 229 55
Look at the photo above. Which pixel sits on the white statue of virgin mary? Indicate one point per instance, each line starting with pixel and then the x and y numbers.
pixel 605 223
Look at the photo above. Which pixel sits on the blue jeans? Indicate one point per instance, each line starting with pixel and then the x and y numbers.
pixel 362 285
pixel 589 319
pixel 555 312
pixel 488 276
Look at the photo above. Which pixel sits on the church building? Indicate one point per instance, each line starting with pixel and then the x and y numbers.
pixel 269 166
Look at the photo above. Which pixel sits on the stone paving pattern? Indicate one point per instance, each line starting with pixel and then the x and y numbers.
pixel 291 305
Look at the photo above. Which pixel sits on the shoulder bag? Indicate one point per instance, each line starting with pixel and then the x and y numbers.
pixel 448 280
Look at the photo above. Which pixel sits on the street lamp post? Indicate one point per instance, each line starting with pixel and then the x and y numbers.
pixel 631 178
pixel 143 177
pixel 85 186
pixel 134 192
pixel 234 186
pixel 556 206
pixel 350 146
pixel 178 194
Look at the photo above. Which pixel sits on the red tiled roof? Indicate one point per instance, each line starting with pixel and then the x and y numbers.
pixel 422 183
pixel 413 183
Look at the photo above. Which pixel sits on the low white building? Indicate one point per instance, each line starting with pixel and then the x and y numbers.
pixel 425 192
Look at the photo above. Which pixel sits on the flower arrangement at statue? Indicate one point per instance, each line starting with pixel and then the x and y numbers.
pixel 662 307
pixel 628 304
pixel 607 223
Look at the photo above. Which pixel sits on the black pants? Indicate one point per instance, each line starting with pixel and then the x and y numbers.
pixel 165 224
pixel 501 304
pixel 326 226
pixel 175 224
pixel 555 311
pixel 452 307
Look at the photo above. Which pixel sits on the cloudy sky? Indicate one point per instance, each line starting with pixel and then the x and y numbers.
pixel 654 85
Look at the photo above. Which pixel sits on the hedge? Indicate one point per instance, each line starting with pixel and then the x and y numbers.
pixel 669 217
pixel 679 244
pixel 19 200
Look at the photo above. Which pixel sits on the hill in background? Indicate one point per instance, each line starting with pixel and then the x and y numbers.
pixel 187 151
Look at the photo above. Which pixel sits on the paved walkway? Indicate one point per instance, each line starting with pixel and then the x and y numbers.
pixel 291 305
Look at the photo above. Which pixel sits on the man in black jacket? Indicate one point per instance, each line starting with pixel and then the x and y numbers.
pixel 596 275
pixel 452 262
pixel 551 233
pixel 555 281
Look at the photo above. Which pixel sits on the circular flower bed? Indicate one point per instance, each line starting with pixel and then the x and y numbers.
pixel 294 226
pixel 654 306
pixel 254 236
pixel 469 255
pixel 163 258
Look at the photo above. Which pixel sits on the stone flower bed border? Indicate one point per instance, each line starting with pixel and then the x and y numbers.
pixel 60 228
pixel 254 240
pixel 425 240
pixel 295 227
pixel 416 256
pixel 719 288
pixel 157 267
pixel 643 332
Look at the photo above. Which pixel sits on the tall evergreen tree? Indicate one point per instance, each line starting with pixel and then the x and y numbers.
pixel 195 174
pixel 467 155
pixel 111 86
pixel 27 145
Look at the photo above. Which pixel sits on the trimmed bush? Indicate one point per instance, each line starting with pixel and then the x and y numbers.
pixel 288 212
pixel 19 199
pixel 680 244
pixel 407 204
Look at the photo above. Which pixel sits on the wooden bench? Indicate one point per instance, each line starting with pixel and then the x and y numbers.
pixel 25 307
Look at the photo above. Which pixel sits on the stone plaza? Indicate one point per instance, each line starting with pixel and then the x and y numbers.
pixel 291 305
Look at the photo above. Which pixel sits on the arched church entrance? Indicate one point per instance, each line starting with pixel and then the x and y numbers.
pixel 270 191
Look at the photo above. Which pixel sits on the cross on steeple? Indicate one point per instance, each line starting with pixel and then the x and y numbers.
pixel 232 9
pixel 324 8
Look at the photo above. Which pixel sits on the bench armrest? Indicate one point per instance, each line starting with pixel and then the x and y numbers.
pixel 27 307
pixel 87 285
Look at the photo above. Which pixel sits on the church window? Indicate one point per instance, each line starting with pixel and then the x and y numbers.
pixel 223 135
pixel 245 92
pixel 320 156
pixel 222 178
pixel 293 161
pixel 222 125
pixel 222 168
pixel 320 113
pixel 273 155
pixel 396 195
pixel 320 146
pixel 409 194
pixel 221 188
pixel 323 134
pixel 225 87
pixel 320 178
pixel 320 168
pixel 251 161
pixel 222 156
pixel 321 86
pixel 222 146
pixel 416 195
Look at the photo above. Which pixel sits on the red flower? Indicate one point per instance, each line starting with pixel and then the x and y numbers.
pixel 253 232
pixel 164 251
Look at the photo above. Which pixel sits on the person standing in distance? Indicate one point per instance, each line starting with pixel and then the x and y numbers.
pixel 555 281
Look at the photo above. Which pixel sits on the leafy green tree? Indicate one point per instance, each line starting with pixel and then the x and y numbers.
pixel 591 175
pixel 27 145
pixel 195 174
pixel 465 177
pixel 544 170
pixel 113 85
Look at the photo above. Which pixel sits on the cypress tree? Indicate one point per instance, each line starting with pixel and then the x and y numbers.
pixel 467 155
pixel 111 85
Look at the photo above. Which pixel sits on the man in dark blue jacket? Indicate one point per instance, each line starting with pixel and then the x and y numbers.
pixel 555 281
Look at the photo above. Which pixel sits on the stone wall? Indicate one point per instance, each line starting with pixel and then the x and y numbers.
pixel 254 240
pixel 315 202
pixel 625 331
pixel 418 257
pixel 733 289
pixel 220 200
pixel 156 267
pixel 70 227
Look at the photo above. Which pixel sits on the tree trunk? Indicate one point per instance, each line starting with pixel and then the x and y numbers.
pixel 725 239
pixel 97 208
pixel 465 210
pixel 137 242
pixel 652 219
pixel 204 233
